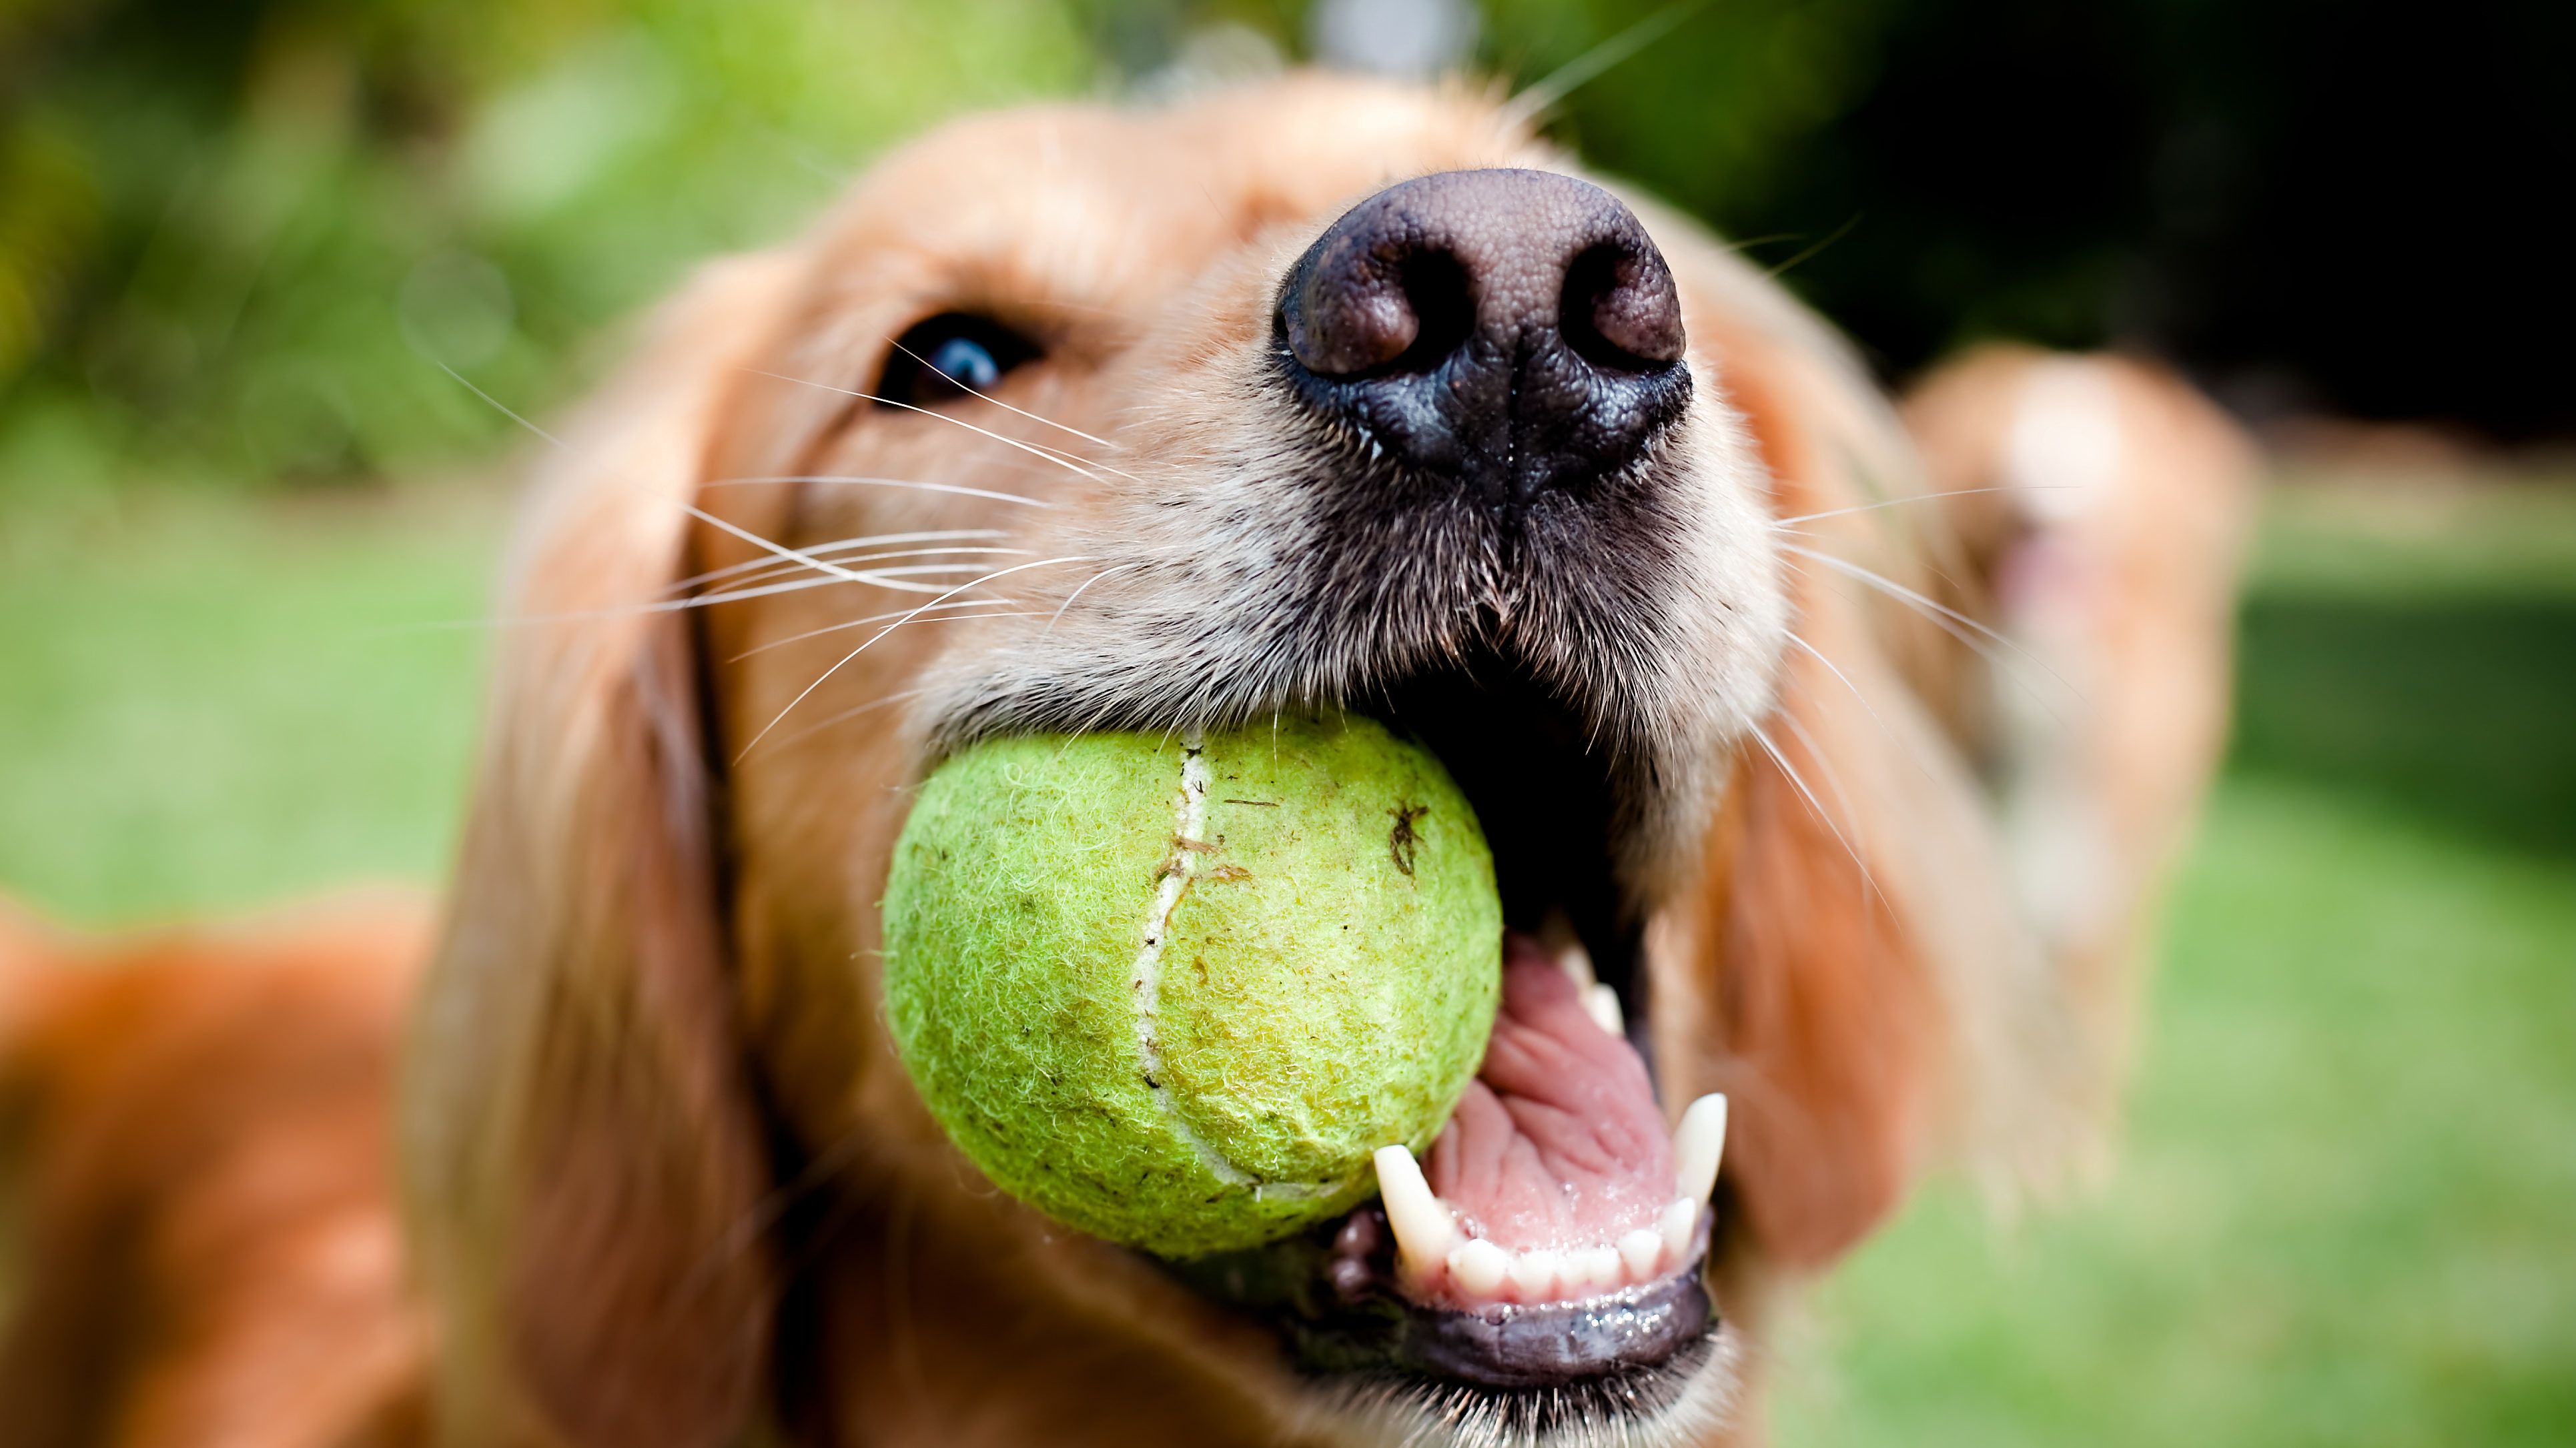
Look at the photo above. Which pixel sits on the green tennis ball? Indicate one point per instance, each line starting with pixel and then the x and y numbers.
pixel 1174 991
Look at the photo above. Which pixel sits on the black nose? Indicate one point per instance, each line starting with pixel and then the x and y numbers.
pixel 1514 330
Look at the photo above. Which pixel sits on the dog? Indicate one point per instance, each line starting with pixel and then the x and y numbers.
pixel 1840 751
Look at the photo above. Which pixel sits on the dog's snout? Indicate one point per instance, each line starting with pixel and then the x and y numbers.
pixel 1514 330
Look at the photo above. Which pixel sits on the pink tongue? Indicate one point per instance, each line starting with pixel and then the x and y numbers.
pixel 1558 1141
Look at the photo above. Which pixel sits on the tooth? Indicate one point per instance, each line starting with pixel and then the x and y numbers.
pixel 1479 1266
pixel 1594 1269
pixel 1603 1003
pixel 1556 934
pixel 1676 1224
pixel 1638 1250
pixel 1534 1273
pixel 1698 1143
pixel 1424 1230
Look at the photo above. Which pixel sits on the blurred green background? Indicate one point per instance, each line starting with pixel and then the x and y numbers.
pixel 247 514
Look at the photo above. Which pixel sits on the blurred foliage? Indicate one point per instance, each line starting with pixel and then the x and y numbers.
pixel 241 239
pixel 2331 205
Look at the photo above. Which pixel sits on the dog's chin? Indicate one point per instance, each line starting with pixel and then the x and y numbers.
pixel 1386 1345
pixel 1684 1399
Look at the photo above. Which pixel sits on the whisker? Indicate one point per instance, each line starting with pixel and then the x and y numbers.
pixel 808 690
pixel 1897 590
pixel 1784 523
pixel 769 570
pixel 1058 615
pixel 1988 653
pixel 889 578
pixel 847 480
pixel 1822 817
pixel 1036 450
pixel 1836 670
pixel 1592 64
pixel 1833 781
pixel 945 609
pixel 879 578
pixel 499 406
pixel 997 402
pixel 835 546
pixel 880 702
pixel 1803 257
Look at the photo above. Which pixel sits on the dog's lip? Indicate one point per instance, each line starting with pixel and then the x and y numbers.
pixel 1335 1297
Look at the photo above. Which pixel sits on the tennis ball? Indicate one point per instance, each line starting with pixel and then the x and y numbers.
pixel 1174 990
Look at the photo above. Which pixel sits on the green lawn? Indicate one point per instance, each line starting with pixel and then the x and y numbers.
pixel 2347 1210
pixel 205 705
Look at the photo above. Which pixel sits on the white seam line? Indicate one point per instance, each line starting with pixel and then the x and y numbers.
pixel 1189 824
pixel 1189 817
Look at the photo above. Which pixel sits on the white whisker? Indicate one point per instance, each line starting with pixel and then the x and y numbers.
pixel 500 407
pixel 847 480
pixel 948 610
pixel 1581 71
pixel 997 402
pixel 1822 817
pixel 889 578
pixel 1785 523
pixel 751 584
pixel 1833 781
pixel 854 711
pixel 1058 615
pixel 881 578
pixel 1897 590
pixel 1036 450
pixel 819 679
pixel 836 546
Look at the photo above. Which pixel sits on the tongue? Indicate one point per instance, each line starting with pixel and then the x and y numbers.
pixel 1558 1142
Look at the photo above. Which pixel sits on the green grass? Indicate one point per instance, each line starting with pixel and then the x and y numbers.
pixel 205 706
pixel 2346 1209
pixel 2346 1213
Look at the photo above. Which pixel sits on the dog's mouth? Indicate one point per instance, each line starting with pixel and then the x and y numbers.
pixel 1548 1247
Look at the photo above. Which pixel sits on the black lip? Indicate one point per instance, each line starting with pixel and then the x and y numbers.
pixel 1332 1296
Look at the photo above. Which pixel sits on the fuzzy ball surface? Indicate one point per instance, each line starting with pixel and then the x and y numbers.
pixel 1174 990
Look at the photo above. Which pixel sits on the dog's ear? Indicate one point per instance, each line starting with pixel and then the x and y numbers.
pixel 582 1151
pixel 1849 968
pixel 1868 999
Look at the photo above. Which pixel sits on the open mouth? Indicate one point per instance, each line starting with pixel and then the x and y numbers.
pixel 1549 1245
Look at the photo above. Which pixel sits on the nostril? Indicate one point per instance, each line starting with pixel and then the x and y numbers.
pixel 1381 309
pixel 1444 307
pixel 1619 309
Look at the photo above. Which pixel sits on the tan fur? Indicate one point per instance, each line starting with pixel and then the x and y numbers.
pixel 666 1182
pixel 195 1134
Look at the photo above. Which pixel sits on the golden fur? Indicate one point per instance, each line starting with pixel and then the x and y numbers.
pixel 664 1182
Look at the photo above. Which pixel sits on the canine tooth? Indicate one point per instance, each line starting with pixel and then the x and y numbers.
pixel 1534 1273
pixel 1424 1230
pixel 1698 1144
pixel 1638 1250
pixel 1556 935
pixel 1479 1266
pixel 1603 1003
pixel 1675 1225
pixel 1594 1269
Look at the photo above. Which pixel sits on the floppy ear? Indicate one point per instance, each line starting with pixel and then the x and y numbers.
pixel 582 1150
pixel 1850 969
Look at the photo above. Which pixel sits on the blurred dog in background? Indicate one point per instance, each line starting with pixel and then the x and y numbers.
pixel 1845 749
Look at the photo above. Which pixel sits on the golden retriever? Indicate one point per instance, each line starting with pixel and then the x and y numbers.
pixel 1846 767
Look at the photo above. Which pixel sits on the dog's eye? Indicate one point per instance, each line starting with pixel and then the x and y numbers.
pixel 949 356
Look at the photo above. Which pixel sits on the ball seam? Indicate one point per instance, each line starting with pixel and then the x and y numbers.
pixel 1189 829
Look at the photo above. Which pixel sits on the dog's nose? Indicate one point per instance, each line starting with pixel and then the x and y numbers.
pixel 1514 330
